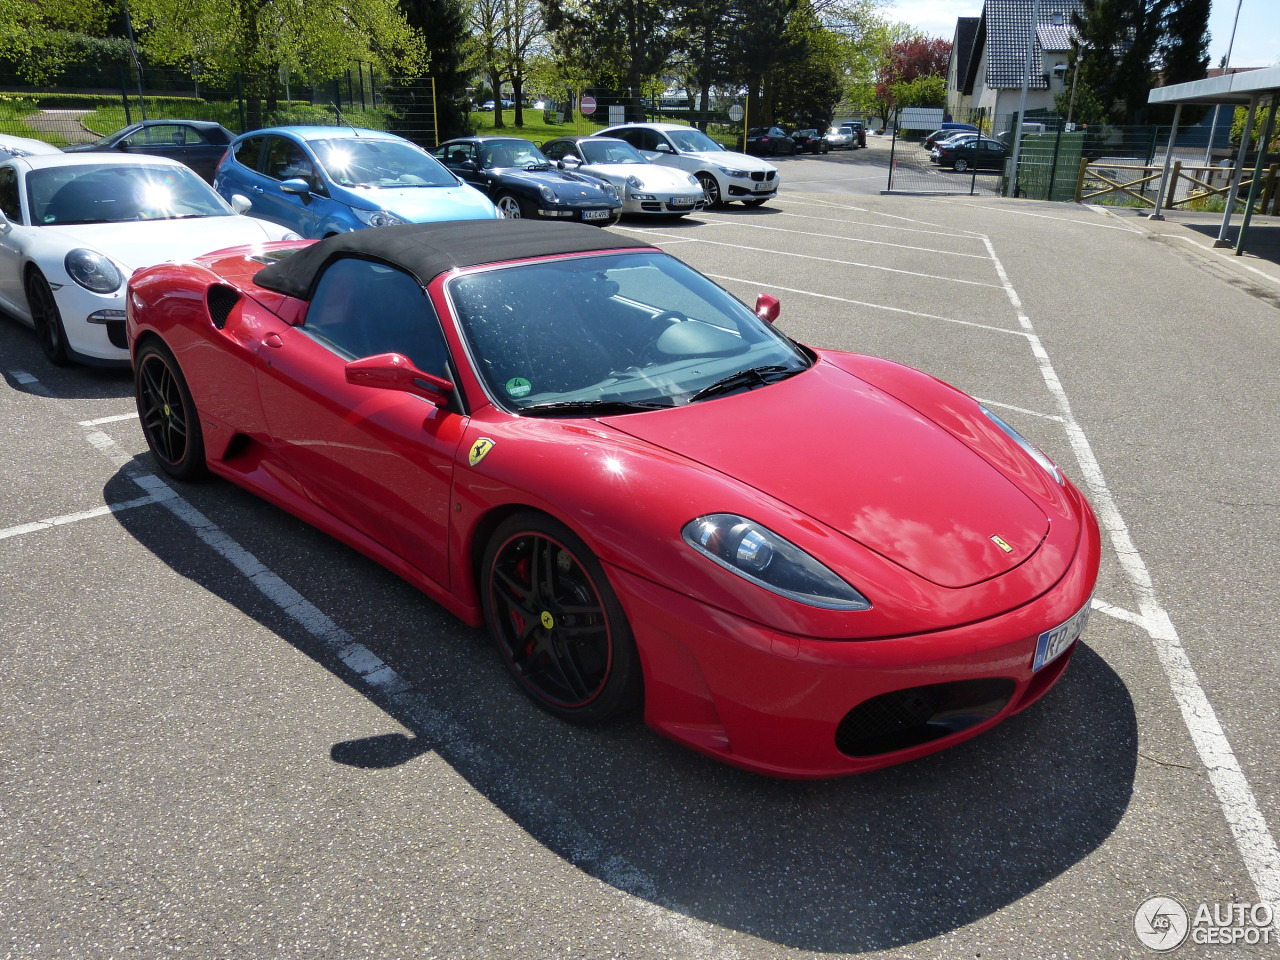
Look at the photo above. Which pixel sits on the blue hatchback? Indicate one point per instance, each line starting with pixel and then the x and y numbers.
pixel 318 181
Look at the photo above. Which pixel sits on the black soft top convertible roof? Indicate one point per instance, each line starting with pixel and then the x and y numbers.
pixel 427 250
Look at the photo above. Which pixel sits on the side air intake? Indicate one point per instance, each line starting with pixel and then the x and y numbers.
pixel 221 301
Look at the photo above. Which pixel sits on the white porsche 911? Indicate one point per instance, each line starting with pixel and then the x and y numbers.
pixel 73 227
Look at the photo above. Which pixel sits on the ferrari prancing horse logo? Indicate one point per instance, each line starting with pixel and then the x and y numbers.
pixel 479 450
pixel 999 541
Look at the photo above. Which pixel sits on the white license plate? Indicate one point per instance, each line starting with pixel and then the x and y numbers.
pixel 763 188
pixel 682 201
pixel 1051 643
pixel 595 214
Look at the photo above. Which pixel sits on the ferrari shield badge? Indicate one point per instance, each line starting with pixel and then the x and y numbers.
pixel 479 450
pixel 998 540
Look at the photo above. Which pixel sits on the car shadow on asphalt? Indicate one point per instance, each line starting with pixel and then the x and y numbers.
pixel 850 865
pixel 22 354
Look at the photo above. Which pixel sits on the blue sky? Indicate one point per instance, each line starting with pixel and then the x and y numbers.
pixel 1257 37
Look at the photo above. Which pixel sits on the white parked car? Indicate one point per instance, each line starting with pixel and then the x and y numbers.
pixel 642 186
pixel 724 174
pixel 840 138
pixel 11 146
pixel 73 227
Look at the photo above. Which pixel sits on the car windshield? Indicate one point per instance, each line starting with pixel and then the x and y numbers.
pixel 119 193
pixel 364 162
pixel 692 140
pixel 609 151
pixel 512 153
pixel 608 334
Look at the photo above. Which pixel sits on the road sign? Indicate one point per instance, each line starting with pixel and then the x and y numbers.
pixel 588 106
pixel 735 113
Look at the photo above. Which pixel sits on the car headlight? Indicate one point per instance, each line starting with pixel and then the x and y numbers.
pixel 548 194
pixel 291 236
pixel 758 554
pixel 610 190
pixel 376 218
pixel 634 182
pixel 1034 452
pixel 93 271
pixel 733 173
pixel 693 181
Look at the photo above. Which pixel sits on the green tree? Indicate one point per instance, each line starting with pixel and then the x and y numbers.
pixel 627 41
pixel 260 38
pixel 1118 41
pixel 41 38
pixel 443 26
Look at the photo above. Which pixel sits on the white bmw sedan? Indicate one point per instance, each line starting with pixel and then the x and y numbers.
pixel 73 227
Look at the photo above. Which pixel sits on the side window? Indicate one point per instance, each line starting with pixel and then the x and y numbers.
pixel 286 160
pixel 9 194
pixel 457 153
pixel 249 152
pixel 162 134
pixel 361 308
pixel 557 151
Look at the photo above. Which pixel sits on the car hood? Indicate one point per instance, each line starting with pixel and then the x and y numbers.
pixel 566 184
pixel 651 175
pixel 865 464
pixel 144 242
pixel 427 204
pixel 731 159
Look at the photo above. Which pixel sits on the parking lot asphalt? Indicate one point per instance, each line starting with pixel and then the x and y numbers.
pixel 193 762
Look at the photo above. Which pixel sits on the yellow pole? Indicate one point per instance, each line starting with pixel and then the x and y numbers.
pixel 435 115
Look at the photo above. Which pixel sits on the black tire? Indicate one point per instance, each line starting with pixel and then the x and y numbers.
pixel 47 319
pixel 509 206
pixel 168 414
pixel 960 166
pixel 711 188
pixel 755 201
pixel 557 623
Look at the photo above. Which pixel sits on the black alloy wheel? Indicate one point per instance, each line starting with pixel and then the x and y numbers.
pixel 47 319
pixel 169 418
pixel 557 622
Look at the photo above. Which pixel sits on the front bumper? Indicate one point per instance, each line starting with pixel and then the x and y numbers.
pixel 94 323
pixel 791 706
pixel 664 203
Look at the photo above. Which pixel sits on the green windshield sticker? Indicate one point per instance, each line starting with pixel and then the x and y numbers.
pixel 518 387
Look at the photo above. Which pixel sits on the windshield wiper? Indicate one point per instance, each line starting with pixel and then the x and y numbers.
pixel 744 380
pixel 601 408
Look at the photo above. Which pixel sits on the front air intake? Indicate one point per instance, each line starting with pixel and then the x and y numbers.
pixel 221 301
pixel 916 715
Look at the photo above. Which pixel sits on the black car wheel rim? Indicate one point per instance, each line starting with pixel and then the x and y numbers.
pixel 44 314
pixel 550 620
pixel 164 415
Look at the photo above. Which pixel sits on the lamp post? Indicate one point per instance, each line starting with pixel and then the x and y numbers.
pixel 1226 70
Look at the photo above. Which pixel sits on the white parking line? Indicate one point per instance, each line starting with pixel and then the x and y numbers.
pixel 48 524
pixel 864 303
pixel 116 419
pixel 877 243
pixel 429 723
pixel 805 256
pixel 1239 806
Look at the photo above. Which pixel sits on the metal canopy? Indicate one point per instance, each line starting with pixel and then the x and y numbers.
pixel 1237 89
pixel 1245 89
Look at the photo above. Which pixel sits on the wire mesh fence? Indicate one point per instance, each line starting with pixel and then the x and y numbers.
pixel 107 100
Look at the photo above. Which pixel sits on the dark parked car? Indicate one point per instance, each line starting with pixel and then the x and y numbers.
pixel 199 144
pixel 810 140
pixel 769 141
pixel 522 182
pixel 971 153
